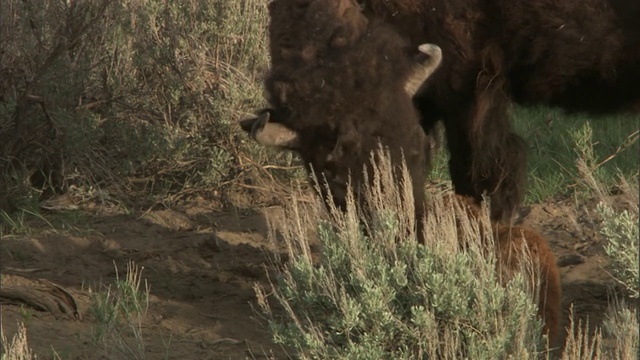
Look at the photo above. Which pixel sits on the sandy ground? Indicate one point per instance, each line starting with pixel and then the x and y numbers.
pixel 201 264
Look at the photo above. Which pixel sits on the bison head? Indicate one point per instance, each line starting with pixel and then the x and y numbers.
pixel 337 155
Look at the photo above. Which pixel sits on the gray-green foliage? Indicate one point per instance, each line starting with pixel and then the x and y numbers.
pixel 403 304
pixel 620 229
pixel 379 295
pixel 99 93
pixel 622 326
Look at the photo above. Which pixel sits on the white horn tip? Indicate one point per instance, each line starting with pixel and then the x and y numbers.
pixel 430 49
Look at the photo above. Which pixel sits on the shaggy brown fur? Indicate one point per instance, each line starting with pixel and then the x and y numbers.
pixel 583 56
pixel 512 243
pixel 579 55
pixel 321 24
pixel 344 97
pixel 337 84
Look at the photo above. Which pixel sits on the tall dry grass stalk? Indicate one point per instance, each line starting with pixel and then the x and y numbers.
pixel 17 348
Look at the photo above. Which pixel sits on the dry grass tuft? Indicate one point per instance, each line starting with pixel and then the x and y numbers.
pixel 18 347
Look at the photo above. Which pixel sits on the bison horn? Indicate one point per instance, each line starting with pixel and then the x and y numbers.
pixel 425 67
pixel 270 133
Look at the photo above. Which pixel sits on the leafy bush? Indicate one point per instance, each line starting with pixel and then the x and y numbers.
pixel 134 95
pixel 376 294
pixel 621 231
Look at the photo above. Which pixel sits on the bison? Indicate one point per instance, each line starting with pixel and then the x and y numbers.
pixel 580 56
pixel 354 81
pixel 340 84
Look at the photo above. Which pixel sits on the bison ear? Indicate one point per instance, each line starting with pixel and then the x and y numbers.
pixel 271 133
pixel 428 61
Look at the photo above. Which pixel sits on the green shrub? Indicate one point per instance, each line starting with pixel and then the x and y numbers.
pixel 620 229
pixel 136 97
pixel 377 294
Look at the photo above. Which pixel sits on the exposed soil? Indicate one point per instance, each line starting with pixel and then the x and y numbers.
pixel 201 264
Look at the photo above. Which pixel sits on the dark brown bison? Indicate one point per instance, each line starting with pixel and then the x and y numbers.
pixel 350 92
pixel 512 243
pixel 340 84
pixel 578 55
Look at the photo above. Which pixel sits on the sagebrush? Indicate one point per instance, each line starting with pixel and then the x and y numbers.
pixel 375 293
pixel 137 97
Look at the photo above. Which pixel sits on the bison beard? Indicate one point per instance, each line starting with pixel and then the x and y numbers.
pixel 580 56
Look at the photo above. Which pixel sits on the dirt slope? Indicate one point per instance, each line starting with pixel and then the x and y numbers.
pixel 201 265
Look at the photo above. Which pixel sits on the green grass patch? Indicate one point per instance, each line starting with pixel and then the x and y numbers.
pixel 557 140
